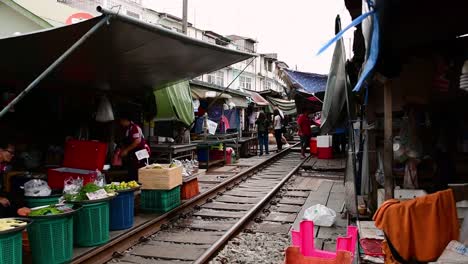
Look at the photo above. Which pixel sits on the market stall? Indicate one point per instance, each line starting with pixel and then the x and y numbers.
pixel 91 61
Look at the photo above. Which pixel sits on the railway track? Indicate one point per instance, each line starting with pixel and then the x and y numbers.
pixel 199 228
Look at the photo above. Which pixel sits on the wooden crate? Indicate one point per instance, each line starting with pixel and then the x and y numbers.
pixel 160 178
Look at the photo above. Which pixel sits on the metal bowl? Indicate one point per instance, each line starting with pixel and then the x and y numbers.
pixel 19 228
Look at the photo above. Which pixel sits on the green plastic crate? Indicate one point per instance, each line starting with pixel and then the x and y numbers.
pixel 160 201
pixel 40 201
pixel 91 224
pixel 11 251
pixel 51 240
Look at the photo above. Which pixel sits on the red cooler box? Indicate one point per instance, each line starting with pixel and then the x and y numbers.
pixel 313 146
pixel 82 159
pixel 324 147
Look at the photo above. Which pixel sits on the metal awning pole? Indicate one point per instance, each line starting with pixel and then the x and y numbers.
pixel 54 65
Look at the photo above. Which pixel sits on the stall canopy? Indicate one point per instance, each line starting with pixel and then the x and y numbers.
pixel 125 55
pixel 203 90
pixel 306 82
pixel 258 99
pixel 288 107
pixel 174 103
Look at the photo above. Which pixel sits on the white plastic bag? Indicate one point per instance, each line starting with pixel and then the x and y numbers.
pixel 320 215
pixel 37 188
pixel 104 112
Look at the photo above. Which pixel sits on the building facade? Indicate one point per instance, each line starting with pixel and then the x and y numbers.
pixel 261 74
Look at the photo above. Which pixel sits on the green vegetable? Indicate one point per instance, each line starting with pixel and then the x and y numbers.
pixel 88 188
pixel 50 210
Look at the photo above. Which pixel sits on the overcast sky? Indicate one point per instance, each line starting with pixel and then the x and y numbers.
pixel 295 29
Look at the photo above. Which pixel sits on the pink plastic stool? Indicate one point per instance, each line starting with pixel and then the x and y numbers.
pixel 304 239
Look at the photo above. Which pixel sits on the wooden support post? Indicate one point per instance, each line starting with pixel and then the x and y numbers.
pixel 388 141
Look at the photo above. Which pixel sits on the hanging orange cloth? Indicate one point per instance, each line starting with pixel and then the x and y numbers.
pixel 421 228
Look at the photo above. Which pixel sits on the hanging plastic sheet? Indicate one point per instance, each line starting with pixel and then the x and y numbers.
pixel 174 102
pixel 335 94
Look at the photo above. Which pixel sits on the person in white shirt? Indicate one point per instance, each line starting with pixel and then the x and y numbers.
pixel 278 125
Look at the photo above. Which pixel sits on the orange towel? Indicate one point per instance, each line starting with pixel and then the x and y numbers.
pixel 421 228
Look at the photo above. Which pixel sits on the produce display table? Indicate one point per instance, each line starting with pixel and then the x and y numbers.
pixel 167 152
pixel 205 146
pixel 248 146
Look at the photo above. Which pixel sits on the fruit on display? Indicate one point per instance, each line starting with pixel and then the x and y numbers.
pixel 8 223
pixel 155 166
pixel 121 186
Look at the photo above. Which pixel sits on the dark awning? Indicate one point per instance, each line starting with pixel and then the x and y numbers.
pixel 127 56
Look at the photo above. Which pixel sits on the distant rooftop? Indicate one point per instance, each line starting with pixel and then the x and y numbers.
pixel 237 37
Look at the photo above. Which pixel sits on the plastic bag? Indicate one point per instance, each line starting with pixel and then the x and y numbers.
pixel 72 187
pixel 100 179
pixel 117 159
pixel 320 215
pixel 104 112
pixel 37 188
pixel 379 173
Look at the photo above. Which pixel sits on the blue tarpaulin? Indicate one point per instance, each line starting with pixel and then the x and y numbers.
pixel 307 82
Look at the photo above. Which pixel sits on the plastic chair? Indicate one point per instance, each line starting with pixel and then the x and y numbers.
pixel 304 239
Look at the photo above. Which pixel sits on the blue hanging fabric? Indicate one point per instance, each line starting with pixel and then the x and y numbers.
pixel 340 34
pixel 374 47
pixel 373 53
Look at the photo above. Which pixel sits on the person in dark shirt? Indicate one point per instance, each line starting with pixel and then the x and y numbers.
pixel 7 153
pixel 305 132
pixel 263 125
pixel 134 141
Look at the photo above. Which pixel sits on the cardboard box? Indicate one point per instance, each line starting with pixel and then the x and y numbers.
pixel 157 178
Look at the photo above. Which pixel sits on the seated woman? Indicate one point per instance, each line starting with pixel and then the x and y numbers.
pixel 7 152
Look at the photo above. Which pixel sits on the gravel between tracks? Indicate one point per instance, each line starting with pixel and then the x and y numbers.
pixel 253 248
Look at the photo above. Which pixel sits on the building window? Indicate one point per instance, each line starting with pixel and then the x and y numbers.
pixel 133 14
pixel 267 85
pixel 216 78
pixel 245 82
pixel 268 66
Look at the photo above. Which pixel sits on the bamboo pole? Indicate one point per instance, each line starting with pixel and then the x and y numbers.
pixel 388 141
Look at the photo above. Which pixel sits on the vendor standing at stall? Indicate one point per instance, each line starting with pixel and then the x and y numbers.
pixel 133 142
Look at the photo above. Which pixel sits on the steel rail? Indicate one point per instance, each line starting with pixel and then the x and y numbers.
pixel 132 237
pixel 245 219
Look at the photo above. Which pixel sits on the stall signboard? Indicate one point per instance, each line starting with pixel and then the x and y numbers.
pixel 212 127
pixel 142 154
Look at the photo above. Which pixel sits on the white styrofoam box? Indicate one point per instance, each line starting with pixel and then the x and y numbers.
pixel 400 194
pixel 324 141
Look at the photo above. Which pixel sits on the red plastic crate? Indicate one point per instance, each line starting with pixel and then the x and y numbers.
pixel 325 153
pixel 81 159
pixel 313 146
pixel 189 189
